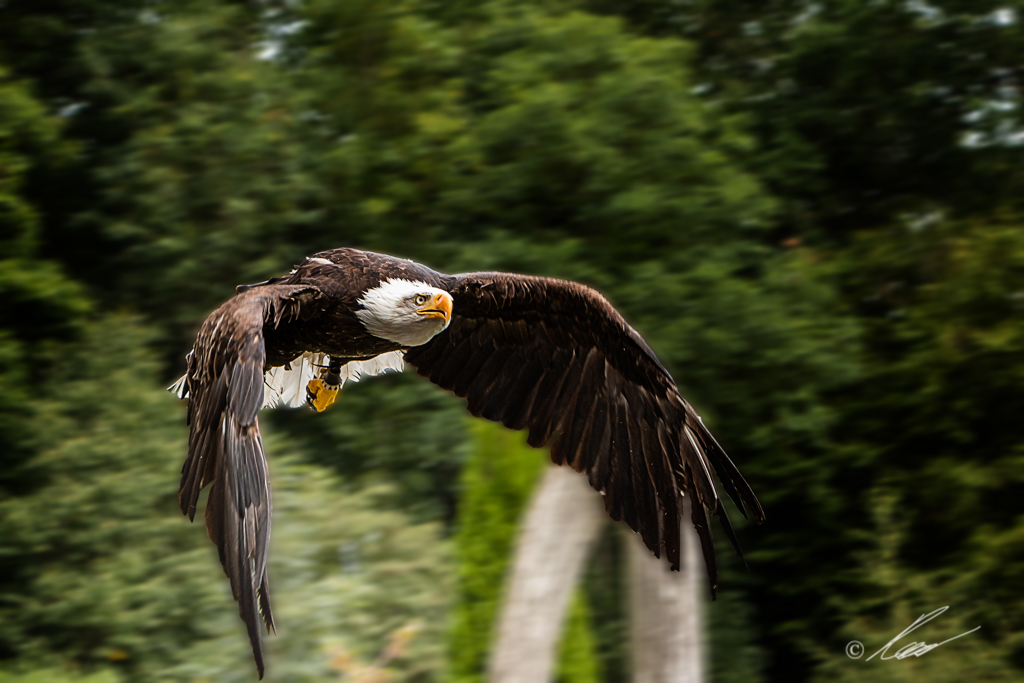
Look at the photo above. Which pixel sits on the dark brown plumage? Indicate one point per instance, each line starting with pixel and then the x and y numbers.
pixel 533 353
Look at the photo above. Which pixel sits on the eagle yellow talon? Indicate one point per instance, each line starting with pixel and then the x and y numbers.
pixel 319 395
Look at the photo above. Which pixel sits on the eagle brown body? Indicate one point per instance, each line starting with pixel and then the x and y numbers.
pixel 546 355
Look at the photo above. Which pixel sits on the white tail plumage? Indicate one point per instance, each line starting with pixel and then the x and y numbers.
pixel 179 388
pixel 288 386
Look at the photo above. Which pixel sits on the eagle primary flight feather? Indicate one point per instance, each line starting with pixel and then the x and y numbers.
pixel 533 353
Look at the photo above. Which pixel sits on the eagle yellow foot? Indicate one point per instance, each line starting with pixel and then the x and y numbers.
pixel 319 394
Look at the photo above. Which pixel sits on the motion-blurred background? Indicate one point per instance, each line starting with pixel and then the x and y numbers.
pixel 811 210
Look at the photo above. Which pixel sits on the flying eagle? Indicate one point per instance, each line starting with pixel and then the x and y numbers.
pixel 532 353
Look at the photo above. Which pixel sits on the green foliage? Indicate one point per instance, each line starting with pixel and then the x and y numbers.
pixel 942 411
pixel 358 591
pixel 27 136
pixel 496 483
pixel 107 570
pixel 861 109
pixel 604 581
pixel 885 132
pixel 532 127
pixel 39 306
pixel 190 160
pixel 51 675
pixel 211 180
pixel 736 655
pixel 577 662
pixel 900 596
pixel 398 428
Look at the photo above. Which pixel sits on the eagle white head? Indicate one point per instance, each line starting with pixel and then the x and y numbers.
pixel 405 312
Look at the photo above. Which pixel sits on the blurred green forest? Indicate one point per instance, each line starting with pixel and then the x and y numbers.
pixel 811 210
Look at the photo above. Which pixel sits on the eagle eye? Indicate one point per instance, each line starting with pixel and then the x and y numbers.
pixel 421 299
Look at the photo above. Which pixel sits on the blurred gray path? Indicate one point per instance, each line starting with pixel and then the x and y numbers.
pixel 561 523
pixel 666 632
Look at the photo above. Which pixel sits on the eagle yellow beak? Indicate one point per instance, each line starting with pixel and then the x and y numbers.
pixel 438 307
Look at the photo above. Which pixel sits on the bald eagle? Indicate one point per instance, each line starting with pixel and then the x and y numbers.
pixel 532 353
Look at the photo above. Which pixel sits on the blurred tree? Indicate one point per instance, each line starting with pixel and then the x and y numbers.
pixel 397 428
pixel 51 675
pixel 578 660
pixel 901 595
pixel 862 110
pixel 40 308
pixel 889 132
pixel 101 569
pixel 942 407
pixel 531 140
pixel 604 581
pixel 190 179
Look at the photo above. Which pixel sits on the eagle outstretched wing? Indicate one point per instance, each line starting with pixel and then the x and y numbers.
pixel 556 358
pixel 224 383
pixel 546 355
